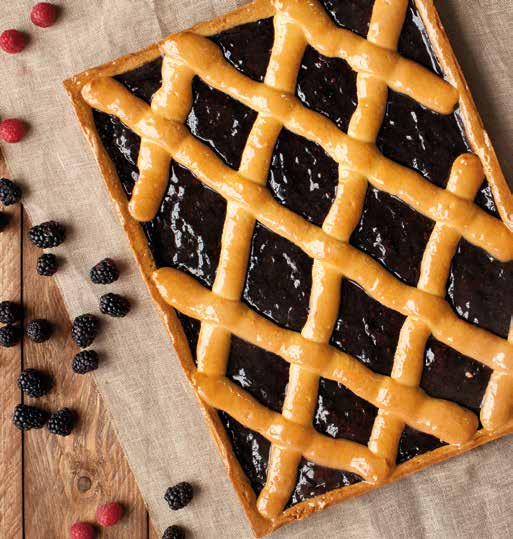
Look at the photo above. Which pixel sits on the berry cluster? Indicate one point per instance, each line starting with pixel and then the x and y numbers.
pixel 13 41
pixel 107 514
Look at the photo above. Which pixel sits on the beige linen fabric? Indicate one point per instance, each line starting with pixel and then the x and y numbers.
pixel 154 409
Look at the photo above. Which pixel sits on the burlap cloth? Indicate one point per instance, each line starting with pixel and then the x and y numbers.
pixel 154 410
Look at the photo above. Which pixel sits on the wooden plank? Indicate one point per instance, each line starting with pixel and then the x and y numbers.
pixel 11 498
pixel 66 478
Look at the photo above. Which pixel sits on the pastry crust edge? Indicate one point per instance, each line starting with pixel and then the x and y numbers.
pixel 481 145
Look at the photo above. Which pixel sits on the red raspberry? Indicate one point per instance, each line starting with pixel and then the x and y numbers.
pixel 43 14
pixel 82 530
pixel 12 130
pixel 12 41
pixel 109 514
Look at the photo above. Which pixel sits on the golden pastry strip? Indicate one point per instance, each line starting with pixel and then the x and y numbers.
pixel 345 213
pixel 497 406
pixel 466 177
pixel 224 395
pixel 446 420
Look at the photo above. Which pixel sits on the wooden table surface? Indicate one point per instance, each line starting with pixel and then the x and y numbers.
pixel 48 482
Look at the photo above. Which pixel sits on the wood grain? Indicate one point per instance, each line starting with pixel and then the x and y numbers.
pixel 48 482
pixel 11 440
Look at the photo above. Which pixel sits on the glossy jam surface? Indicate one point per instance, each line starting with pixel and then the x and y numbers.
pixel 305 182
pixel 414 443
pixel 481 288
pixel 314 480
pixel 220 122
pixel 452 376
pixel 263 374
pixel 366 329
pixel 342 414
pixel 251 450
pixel 328 86
pixel 186 234
pixel 283 292
pixel 394 234
pixel 248 47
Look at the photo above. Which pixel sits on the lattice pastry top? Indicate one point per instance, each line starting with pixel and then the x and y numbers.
pixel 277 111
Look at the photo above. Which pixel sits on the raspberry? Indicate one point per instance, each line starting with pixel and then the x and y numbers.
pixel 84 329
pixel 82 530
pixel 12 130
pixel 105 272
pixel 85 361
pixel 174 532
pixel 114 305
pixel 47 265
pixel 12 41
pixel 61 423
pixel 179 496
pixel 46 235
pixel 109 514
pixel 33 383
pixel 43 14
pixel 10 193
pixel 10 336
pixel 10 312
pixel 39 330
pixel 28 417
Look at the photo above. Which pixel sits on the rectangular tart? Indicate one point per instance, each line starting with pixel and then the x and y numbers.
pixel 308 183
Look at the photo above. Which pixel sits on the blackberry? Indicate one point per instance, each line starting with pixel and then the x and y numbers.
pixel 46 235
pixel 10 193
pixel 9 336
pixel 114 305
pixel 179 496
pixel 29 417
pixel 85 361
pixel 61 423
pixel 84 329
pixel 105 272
pixel 39 330
pixel 10 312
pixel 47 264
pixel 4 220
pixel 174 532
pixel 33 383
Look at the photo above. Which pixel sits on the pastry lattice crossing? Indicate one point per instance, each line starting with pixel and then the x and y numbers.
pixel 400 401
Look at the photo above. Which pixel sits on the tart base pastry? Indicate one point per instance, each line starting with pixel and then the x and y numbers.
pixel 211 161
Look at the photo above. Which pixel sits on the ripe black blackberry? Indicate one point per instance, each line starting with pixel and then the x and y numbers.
pixel 10 193
pixel 47 264
pixel 46 235
pixel 114 305
pixel 84 329
pixel 10 336
pixel 174 532
pixel 84 362
pixel 39 330
pixel 105 272
pixel 29 417
pixel 33 383
pixel 179 496
pixel 61 423
pixel 10 312
pixel 4 220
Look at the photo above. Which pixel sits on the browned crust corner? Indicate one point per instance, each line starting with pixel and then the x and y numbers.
pixel 481 145
pixel 477 135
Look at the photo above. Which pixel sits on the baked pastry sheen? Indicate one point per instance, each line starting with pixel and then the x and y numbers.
pixel 309 185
